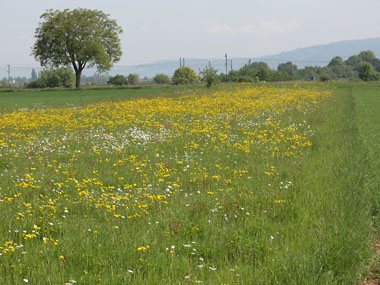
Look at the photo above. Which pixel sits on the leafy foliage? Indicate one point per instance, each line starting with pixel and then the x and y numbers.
pixel 337 68
pixel 79 37
pixel 209 75
pixel 60 77
pixel 336 61
pixel 185 75
pixel 325 77
pixel 161 79
pixel 133 79
pixel 367 72
pixel 117 80
pixel 289 68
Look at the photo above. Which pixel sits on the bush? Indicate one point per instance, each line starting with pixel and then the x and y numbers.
pixel 4 83
pixel 117 80
pixel 185 75
pixel 161 79
pixel 60 77
pixel 38 83
pixel 209 75
pixel 367 73
pixel 242 78
pixel 325 78
pixel 133 79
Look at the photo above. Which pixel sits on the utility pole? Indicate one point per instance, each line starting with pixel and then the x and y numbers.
pixel 183 62
pixel 180 62
pixel 226 65
pixel 9 72
pixel 231 64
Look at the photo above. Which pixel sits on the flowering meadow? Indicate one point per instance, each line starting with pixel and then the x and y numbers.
pixel 203 187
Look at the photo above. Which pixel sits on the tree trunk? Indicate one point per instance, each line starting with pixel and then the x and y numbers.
pixel 77 78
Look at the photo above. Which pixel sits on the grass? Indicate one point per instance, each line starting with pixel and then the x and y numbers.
pixel 32 99
pixel 368 105
pixel 239 184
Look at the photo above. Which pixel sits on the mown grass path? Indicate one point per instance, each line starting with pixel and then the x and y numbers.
pixel 367 98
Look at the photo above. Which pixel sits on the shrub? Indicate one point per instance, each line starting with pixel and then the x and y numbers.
pixel 242 78
pixel 133 79
pixel 209 75
pixel 60 77
pixel 117 80
pixel 161 79
pixel 367 73
pixel 325 77
pixel 185 75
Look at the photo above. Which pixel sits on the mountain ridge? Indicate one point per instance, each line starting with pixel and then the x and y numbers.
pixel 316 55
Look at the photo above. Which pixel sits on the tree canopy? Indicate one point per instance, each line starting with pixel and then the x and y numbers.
pixel 209 75
pixel 80 38
pixel 117 80
pixel 185 75
pixel 133 78
pixel 161 79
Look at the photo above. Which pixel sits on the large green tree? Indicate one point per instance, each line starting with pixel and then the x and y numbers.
pixel 184 75
pixel 80 38
pixel 161 79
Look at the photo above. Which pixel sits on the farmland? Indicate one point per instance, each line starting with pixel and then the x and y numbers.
pixel 237 184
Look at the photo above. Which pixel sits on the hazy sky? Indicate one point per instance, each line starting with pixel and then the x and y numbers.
pixel 169 29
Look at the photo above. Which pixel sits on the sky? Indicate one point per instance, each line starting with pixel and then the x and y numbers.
pixel 168 29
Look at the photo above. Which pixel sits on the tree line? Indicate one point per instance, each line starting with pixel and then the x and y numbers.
pixel 364 66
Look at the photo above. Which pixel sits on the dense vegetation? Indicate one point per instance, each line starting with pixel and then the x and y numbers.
pixel 59 77
pixel 365 66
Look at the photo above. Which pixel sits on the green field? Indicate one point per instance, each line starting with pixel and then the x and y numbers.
pixel 247 184
pixel 11 100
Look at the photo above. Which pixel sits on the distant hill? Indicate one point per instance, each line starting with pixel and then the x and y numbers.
pixel 321 55
pixel 318 55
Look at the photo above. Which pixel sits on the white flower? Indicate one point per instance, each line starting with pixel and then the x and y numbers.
pixel 25 280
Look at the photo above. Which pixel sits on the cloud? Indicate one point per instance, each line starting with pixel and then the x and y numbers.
pixel 263 28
